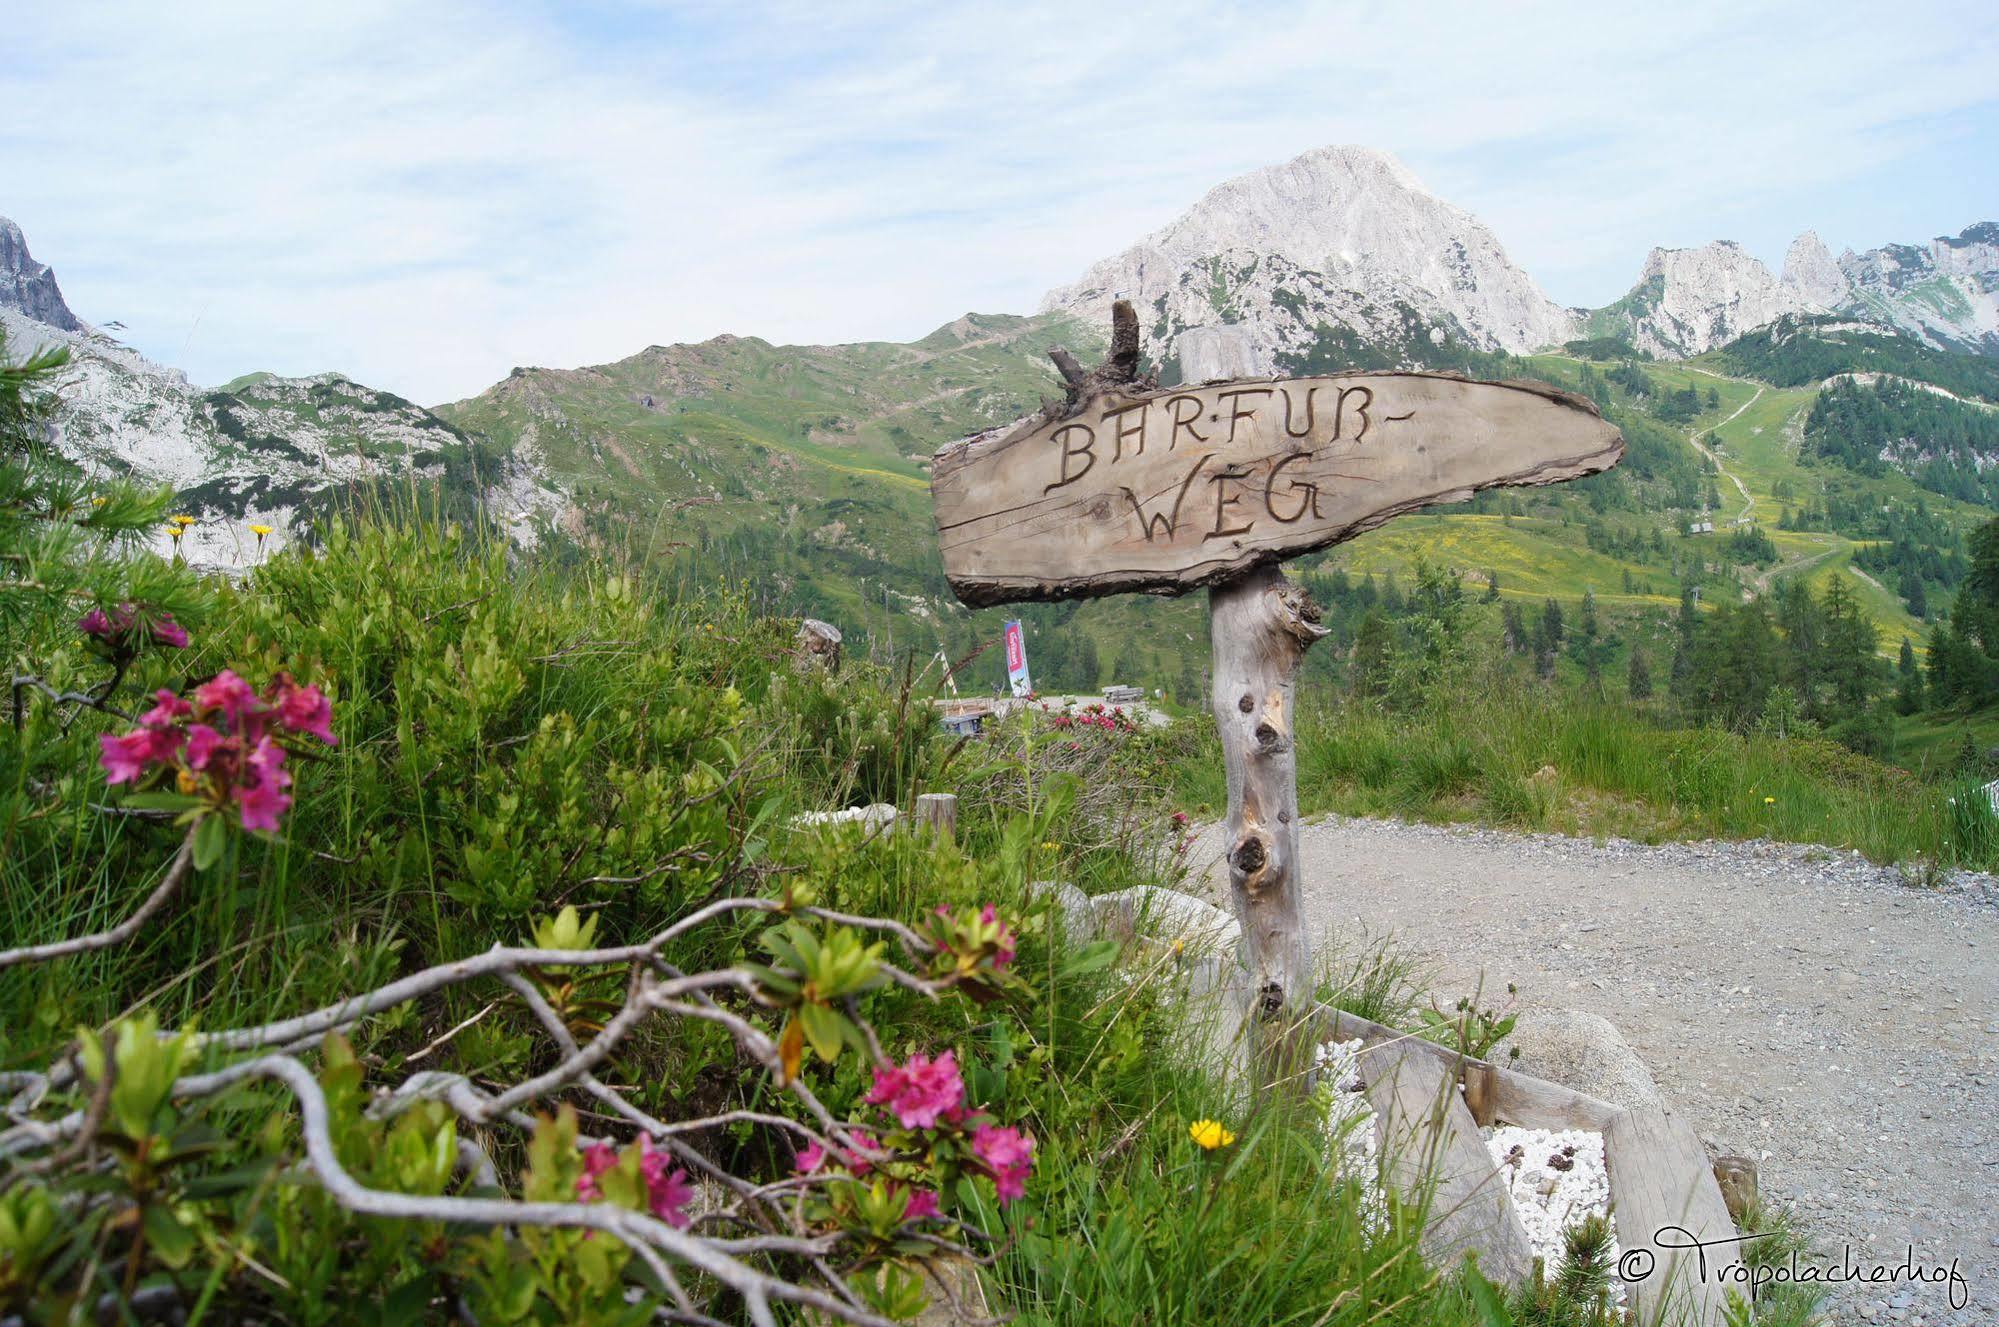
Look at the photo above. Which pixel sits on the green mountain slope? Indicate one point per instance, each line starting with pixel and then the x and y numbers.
pixel 799 472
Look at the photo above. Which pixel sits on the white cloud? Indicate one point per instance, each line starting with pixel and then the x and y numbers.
pixel 424 197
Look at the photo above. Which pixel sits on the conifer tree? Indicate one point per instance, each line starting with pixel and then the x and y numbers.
pixel 1638 677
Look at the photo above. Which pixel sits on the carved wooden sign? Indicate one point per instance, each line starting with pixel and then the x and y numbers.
pixel 1125 486
pixel 1166 490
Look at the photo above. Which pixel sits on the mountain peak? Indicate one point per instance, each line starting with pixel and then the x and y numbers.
pixel 28 286
pixel 1340 237
pixel 1811 272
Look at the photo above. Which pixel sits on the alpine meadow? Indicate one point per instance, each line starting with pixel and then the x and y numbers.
pixel 1296 779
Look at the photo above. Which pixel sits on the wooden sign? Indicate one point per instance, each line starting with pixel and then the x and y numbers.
pixel 1166 490
pixel 1127 486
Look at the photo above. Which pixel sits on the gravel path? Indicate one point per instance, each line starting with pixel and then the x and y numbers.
pixel 1807 1007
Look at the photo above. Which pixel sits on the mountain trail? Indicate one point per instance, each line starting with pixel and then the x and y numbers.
pixel 1806 1007
pixel 1693 436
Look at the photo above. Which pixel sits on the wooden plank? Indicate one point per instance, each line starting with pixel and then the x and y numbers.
pixel 1502 1094
pixel 1435 1157
pixel 1166 490
pixel 1664 1197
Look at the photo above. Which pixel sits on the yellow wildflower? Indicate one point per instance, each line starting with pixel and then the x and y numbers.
pixel 1768 801
pixel 176 531
pixel 182 520
pixel 260 530
pixel 99 502
pixel 1209 1134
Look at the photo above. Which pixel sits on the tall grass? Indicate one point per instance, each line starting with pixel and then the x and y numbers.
pixel 1530 759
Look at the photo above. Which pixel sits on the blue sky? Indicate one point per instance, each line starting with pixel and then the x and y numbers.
pixel 425 195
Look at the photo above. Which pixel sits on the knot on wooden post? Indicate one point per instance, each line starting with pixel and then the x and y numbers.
pixel 1249 858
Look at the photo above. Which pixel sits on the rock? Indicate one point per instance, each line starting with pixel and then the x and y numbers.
pixel 1579 1050
pixel 28 286
pixel 1165 915
pixel 1079 919
pixel 1692 300
pixel 818 646
pixel 872 816
pixel 1811 274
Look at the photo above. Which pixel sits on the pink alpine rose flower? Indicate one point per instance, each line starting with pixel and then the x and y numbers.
pixel 229 694
pixel 1009 1155
pixel 202 744
pixel 126 758
pixel 170 633
pixel 922 1205
pixel 920 1092
pixel 304 710
pixel 668 1191
pixel 167 709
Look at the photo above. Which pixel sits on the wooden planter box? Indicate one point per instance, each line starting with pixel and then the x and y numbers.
pixel 1430 1103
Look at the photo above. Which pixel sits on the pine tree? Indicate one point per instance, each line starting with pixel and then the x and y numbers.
pixel 1638 677
pixel 1369 675
pixel 64 538
pixel 1908 680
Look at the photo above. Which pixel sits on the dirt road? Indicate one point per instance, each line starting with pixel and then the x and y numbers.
pixel 1809 1008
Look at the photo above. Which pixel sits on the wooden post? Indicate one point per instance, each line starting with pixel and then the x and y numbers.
pixel 938 812
pixel 1260 627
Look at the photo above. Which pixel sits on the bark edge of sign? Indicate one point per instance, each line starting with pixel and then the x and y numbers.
pixel 951 464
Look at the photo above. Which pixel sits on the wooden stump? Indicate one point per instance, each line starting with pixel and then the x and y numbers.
pixel 1261 625
pixel 818 646
pixel 938 813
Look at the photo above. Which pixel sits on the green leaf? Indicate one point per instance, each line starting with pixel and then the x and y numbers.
pixel 163 801
pixel 172 1243
pixel 211 840
pixel 824 1028
pixel 1093 957
pixel 1491 1311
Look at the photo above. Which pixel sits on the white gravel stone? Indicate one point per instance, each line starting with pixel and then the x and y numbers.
pixel 1558 1180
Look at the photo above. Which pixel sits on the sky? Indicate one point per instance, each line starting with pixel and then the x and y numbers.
pixel 424 195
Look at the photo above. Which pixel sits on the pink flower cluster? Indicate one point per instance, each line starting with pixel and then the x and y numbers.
pixel 1096 715
pixel 116 632
pixel 855 1160
pixel 1008 1155
pixel 920 1092
pixel 668 1191
pixel 224 746
pixel 925 1094
pixel 922 1202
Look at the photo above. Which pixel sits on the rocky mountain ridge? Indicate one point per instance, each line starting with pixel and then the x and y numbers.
pixel 1688 301
pixel 1344 246
pixel 263 450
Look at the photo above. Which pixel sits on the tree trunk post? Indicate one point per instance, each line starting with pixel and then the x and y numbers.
pixel 1260 625
pixel 938 813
